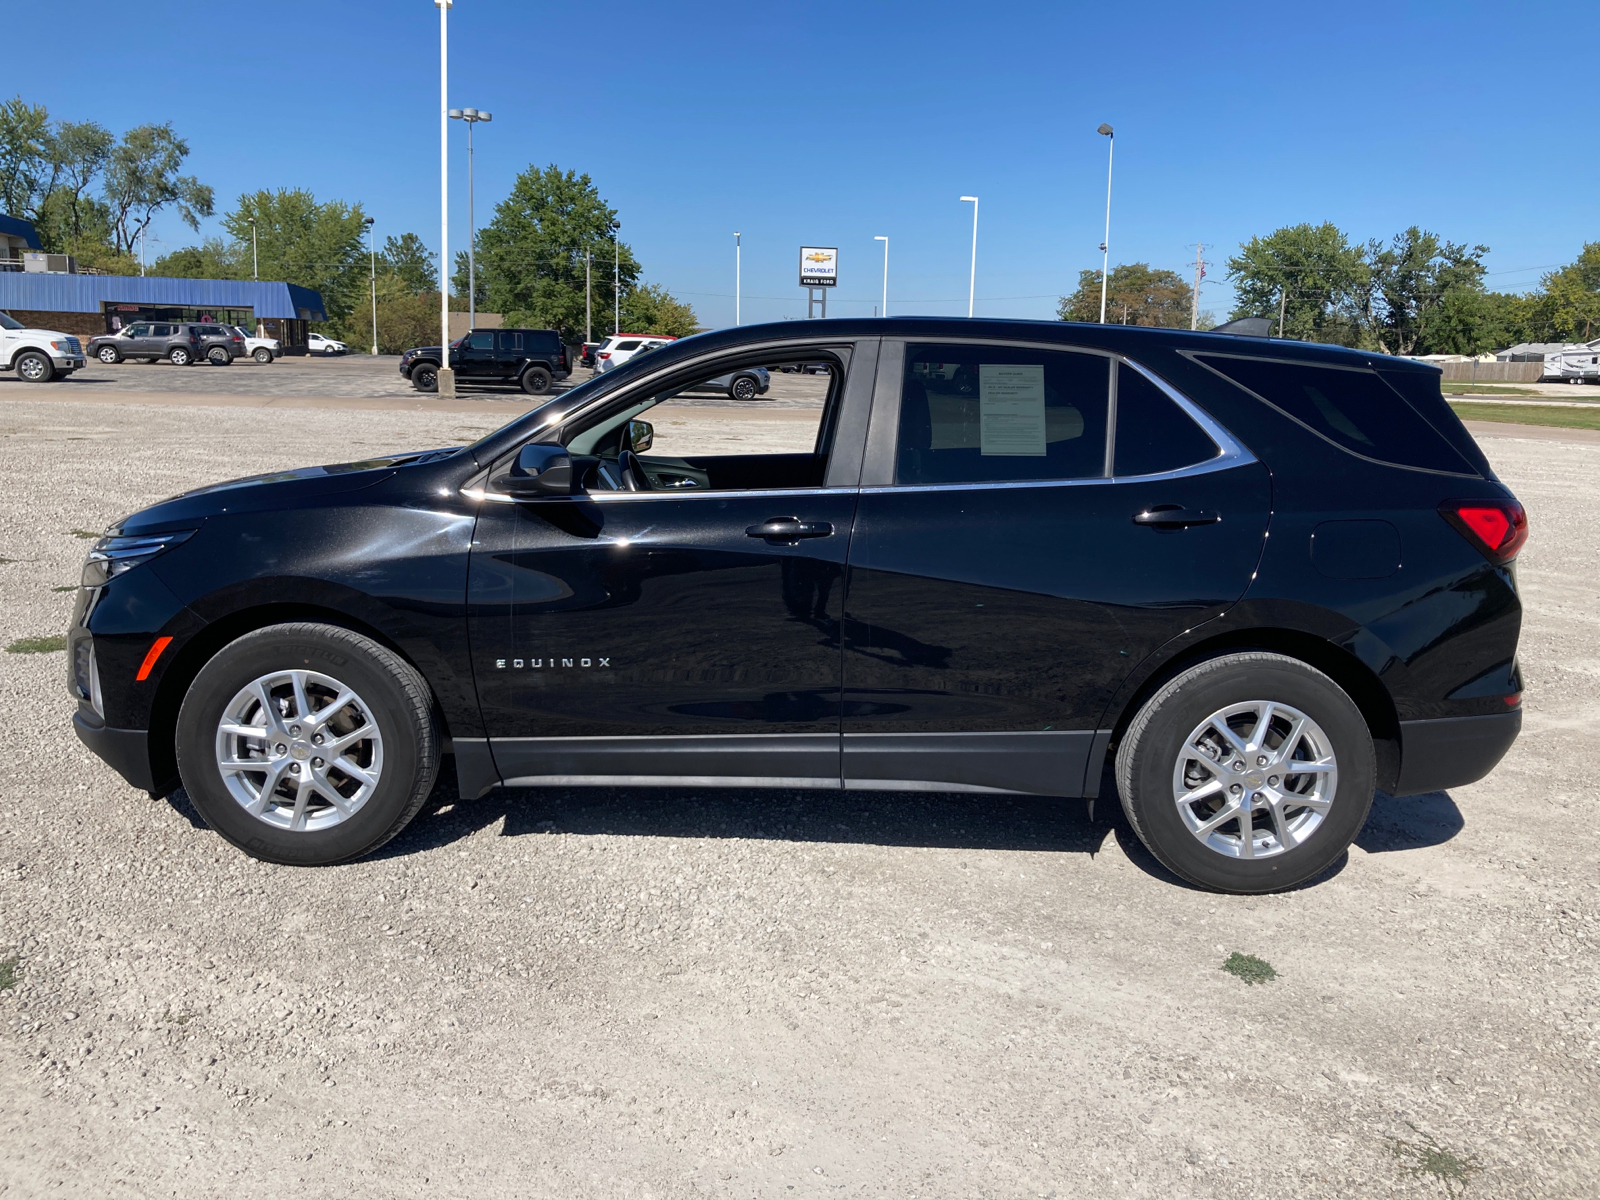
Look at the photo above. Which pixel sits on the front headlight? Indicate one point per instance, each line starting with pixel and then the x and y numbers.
pixel 111 556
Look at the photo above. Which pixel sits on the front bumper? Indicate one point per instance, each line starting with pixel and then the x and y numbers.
pixel 1453 751
pixel 69 362
pixel 126 750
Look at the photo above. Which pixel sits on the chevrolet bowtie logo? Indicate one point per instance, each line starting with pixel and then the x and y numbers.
pixel 819 257
pixel 545 664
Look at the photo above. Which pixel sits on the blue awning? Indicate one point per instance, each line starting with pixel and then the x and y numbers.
pixel 48 292
pixel 17 227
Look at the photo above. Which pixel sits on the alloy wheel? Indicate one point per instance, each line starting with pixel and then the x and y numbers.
pixel 299 750
pixel 1255 779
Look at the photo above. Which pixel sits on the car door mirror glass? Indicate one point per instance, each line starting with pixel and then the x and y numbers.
pixel 542 470
pixel 641 436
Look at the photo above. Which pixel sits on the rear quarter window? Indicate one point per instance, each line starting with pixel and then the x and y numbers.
pixel 1354 408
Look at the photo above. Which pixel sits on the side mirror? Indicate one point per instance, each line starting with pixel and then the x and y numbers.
pixel 542 470
pixel 641 436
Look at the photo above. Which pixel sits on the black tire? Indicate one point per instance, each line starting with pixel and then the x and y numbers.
pixel 33 367
pixel 109 355
pixel 536 381
pixel 425 377
pixel 217 356
pixel 399 703
pixel 1148 756
pixel 180 356
pixel 744 387
pixel 262 355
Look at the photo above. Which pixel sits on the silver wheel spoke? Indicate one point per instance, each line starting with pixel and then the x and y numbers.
pixel 1222 818
pixel 344 741
pixel 1258 735
pixel 1209 788
pixel 259 732
pixel 263 798
pixel 1286 750
pixel 1310 768
pixel 302 797
pixel 359 774
pixel 302 706
pixel 1280 826
pixel 1232 738
pixel 269 709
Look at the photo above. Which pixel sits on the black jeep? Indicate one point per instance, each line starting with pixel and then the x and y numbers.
pixel 533 358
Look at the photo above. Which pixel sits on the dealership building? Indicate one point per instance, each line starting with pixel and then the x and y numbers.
pixel 46 292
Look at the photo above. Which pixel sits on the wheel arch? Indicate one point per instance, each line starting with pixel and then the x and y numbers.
pixel 205 644
pixel 1358 680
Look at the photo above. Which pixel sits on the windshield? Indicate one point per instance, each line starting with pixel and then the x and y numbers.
pixel 9 322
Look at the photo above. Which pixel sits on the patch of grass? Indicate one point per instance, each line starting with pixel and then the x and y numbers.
pixel 71 587
pixel 44 645
pixel 82 533
pixel 1249 968
pixel 8 973
pixel 1455 387
pixel 1428 1157
pixel 1529 414
pixel 182 1018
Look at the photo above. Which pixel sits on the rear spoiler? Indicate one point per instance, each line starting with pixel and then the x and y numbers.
pixel 1247 327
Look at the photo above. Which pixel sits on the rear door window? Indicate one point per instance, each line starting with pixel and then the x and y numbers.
pixel 161 331
pixel 511 343
pixel 1351 407
pixel 989 414
pixel 627 346
pixel 1153 434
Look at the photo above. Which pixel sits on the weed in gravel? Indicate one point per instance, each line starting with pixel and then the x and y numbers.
pixel 1428 1157
pixel 182 1018
pixel 41 645
pixel 1249 968
pixel 82 533
pixel 71 587
pixel 8 973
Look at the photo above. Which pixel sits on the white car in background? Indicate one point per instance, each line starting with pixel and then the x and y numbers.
pixel 262 349
pixel 317 344
pixel 620 347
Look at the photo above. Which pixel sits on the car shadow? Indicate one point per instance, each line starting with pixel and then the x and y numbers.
pixel 1410 822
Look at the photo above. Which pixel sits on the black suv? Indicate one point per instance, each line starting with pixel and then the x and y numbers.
pixel 146 341
pixel 533 358
pixel 1014 553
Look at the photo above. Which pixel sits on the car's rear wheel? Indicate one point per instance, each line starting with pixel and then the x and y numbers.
pixel 179 356
pixel 307 744
pixel 536 381
pixel 1247 773
pixel 744 388
pixel 108 355
pixel 218 357
pixel 425 377
pixel 33 367
pixel 263 355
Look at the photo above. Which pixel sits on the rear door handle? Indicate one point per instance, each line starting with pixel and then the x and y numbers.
pixel 789 529
pixel 1175 516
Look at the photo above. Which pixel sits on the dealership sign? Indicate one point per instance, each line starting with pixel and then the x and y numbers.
pixel 819 266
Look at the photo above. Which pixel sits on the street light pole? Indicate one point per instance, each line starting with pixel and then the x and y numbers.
pixel 588 297
pixel 1105 252
pixel 738 266
pixel 372 253
pixel 972 283
pixel 447 377
pixel 471 116
pixel 255 259
pixel 885 241
pixel 616 284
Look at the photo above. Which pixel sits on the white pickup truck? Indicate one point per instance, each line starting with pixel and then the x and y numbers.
pixel 262 349
pixel 38 355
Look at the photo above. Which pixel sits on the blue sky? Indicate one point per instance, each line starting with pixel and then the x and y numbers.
pixel 828 123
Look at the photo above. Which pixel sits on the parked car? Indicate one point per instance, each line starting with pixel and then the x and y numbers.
pixel 316 343
pixel 220 344
pixel 1000 589
pixel 744 384
pixel 262 349
pixel 620 347
pixel 533 358
pixel 37 355
pixel 147 341
pixel 586 356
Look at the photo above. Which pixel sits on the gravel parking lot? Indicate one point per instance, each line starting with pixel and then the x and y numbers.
pixel 659 994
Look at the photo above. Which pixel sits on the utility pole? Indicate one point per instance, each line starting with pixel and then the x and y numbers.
pixel 588 297
pixel 1194 300
pixel 1105 252
pixel 616 285
pixel 1283 297
pixel 372 263
pixel 255 258
pixel 738 270
pixel 447 377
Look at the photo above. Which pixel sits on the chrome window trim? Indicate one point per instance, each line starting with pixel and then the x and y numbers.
pixel 663 494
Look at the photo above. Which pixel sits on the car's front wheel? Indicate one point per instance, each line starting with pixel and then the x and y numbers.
pixel 108 355
pixel 263 355
pixel 744 388
pixel 307 744
pixel 33 367
pixel 536 381
pixel 1247 773
pixel 425 377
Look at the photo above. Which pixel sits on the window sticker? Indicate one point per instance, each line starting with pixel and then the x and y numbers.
pixel 1011 409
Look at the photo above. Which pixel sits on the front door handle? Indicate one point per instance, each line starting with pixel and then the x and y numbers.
pixel 1175 516
pixel 788 529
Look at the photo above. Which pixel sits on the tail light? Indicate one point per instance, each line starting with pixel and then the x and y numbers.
pixel 607 354
pixel 1498 528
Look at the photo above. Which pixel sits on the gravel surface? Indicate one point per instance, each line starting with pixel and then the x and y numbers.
pixel 658 994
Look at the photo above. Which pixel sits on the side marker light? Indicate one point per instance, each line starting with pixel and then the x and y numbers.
pixel 160 644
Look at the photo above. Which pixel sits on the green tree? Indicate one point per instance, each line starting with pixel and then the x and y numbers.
pixel 24 159
pixel 141 179
pixel 314 244
pixel 1313 271
pixel 1136 294
pixel 650 308
pixel 416 266
pixel 70 216
pixel 530 258
pixel 1569 307
pixel 1399 301
pixel 212 259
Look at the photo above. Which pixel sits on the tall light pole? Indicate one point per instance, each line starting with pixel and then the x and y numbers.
pixel 471 116
pixel 616 284
pixel 372 253
pixel 255 259
pixel 885 241
pixel 738 266
pixel 588 297
pixel 972 283
pixel 447 377
pixel 1105 251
